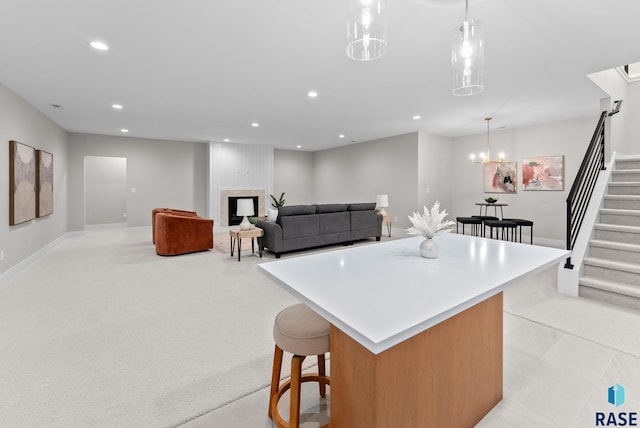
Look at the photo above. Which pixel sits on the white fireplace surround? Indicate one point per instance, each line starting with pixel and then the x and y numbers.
pixel 224 202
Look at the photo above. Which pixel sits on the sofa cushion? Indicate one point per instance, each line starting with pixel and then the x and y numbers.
pixel 335 222
pixel 330 208
pixel 363 206
pixel 299 226
pixel 295 210
pixel 272 215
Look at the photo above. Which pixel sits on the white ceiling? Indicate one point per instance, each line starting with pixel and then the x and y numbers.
pixel 203 70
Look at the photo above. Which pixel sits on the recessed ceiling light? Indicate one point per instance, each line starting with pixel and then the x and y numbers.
pixel 312 94
pixel 255 124
pixel 341 136
pixel 124 130
pixel 298 146
pixel 226 140
pixel 117 106
pixel 416 117
pixel 99 46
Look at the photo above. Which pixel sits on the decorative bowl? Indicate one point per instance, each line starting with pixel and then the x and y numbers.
pixel 491 200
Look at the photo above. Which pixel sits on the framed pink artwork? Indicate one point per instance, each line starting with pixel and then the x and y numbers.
pixel 543 173
pixel 500 177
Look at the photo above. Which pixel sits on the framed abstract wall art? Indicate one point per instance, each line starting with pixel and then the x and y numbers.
pixel 543 173
pixel 500 177
pixel 22 183
pixel 44 183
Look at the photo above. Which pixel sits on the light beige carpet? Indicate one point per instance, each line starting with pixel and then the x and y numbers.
pixel 102 332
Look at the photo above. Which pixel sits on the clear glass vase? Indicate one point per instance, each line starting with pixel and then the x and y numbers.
pixel 429 248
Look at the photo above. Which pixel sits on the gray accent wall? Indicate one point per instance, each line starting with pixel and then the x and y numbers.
pixel 21 122
pixel 294 175
pixel 435 174
pixel 163 174
pixel 359 172
pixel 105 190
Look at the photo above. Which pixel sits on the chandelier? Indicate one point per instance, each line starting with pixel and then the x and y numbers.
pixel 485 157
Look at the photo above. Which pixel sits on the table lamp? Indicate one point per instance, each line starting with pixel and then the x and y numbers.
pixel 382 202
pixel 245 208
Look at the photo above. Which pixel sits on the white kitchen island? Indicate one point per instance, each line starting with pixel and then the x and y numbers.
pixel 415 342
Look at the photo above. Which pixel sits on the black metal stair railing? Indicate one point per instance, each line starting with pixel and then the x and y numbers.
pixel 583 186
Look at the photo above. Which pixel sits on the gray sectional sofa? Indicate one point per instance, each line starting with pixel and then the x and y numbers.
pixel 307 226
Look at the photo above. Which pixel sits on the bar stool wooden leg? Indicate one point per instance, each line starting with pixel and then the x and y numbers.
pixel 321 372
pixel 296 380
pixel 275 378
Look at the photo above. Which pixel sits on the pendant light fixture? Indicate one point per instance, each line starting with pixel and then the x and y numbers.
pixel 467 56
pixel 485 157
pixel 366 30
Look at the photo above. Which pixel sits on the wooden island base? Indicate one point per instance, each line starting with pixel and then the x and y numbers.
pixel 447 376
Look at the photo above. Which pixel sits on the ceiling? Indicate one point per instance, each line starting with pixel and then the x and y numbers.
pixel 204 70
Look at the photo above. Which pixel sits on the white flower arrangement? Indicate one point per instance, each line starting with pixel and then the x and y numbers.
pixel 430 223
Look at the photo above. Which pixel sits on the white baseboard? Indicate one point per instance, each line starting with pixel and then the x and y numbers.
pixel 23 264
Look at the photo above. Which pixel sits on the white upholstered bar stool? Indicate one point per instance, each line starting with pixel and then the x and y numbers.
pixel 301 332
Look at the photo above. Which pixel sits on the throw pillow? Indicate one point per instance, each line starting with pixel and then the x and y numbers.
pixel 272 215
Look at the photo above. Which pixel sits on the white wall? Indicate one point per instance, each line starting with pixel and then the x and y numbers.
pixel 359 172
pixel 546 208
pixel 630 143
pixel 163 173
pixel 21 122
pixel 238 166
pixel 294 175
pixel 623 127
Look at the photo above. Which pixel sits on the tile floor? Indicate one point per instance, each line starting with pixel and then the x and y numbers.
pixel 561 354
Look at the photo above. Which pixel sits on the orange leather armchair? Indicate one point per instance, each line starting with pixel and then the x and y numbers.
pixel 177 234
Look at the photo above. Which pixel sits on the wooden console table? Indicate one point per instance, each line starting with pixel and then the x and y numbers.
pixel 415 342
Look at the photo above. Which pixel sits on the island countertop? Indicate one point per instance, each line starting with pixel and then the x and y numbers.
pixel 385 293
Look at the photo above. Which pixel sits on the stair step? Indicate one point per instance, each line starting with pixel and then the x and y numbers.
pixel 620 216
pixel 613 264
pixel 626 202
pixel 611 270
pixel 611 286
pixel 624 188
pixel 609 250
pixel 612 292
pixel 625 175
pixel 617 233
pixel 629 163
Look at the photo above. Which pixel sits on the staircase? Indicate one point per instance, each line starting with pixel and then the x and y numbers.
pixel 612 269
